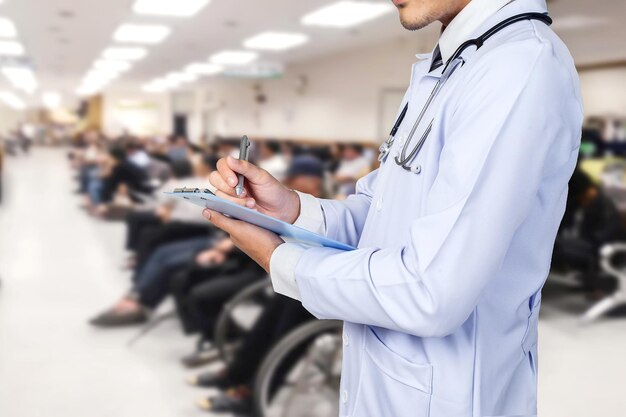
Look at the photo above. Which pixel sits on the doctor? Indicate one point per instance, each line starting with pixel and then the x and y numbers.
pixel 441 298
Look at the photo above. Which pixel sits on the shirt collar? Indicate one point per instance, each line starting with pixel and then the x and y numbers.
pixel 465 24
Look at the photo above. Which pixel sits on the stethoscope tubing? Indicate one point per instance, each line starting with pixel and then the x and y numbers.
pixel 403 159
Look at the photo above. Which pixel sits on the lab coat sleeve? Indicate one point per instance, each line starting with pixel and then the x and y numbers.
pixel 311 216
pixel 505 136
pixel 285 258
pixel 345 219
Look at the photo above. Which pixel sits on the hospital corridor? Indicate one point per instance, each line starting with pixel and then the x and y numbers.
pixel 330 208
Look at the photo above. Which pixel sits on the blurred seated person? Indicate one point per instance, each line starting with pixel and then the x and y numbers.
pixel 170 219
pixel 271 159
pixel 117 176
pixel 591 220
pixel 86 159
pixel 151 282
pixel 353 165
pixel 178 148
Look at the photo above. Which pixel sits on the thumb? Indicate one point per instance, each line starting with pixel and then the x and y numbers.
pixel 253 173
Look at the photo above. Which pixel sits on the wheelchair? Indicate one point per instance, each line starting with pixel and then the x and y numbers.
pixel 300 376
pixel 238 316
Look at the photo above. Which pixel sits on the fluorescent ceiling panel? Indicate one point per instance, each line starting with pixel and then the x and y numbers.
pixel 233 57
pixel 181 77
pixel 153 88
pixel 174 8
pixel 11 48
pixel 51 100
pixel 7 28
pixel 124 53
pixel 12 100
pixel 21 78
pixel 275 41
pixel 346 13
pixel 105 65
pixel 201 68
pixel 99 76
pixel 145 34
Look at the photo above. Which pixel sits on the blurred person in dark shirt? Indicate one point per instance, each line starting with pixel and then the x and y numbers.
pixel 591 220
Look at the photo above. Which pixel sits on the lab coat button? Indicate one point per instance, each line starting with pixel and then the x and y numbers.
pixel 344 396
pixel 346 341
pixel 379 204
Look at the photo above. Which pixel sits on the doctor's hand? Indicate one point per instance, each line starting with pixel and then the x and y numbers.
pixel 262 191
pixel 259 244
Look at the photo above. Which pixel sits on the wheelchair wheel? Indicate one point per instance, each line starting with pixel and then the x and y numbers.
pixel 301 374
pixel 230 326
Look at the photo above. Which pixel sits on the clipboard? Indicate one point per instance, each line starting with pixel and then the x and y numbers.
pixel 206 199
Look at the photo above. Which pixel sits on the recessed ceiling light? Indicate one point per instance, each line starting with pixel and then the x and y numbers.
pixel 154 88
pixel 148 34
pixel 346 13
pixel 176 8
pixel 86 90
pixel 181 77
pixel 124 54
pixel 10 48
pixel 275 41
pixel 12 100
pixel 106 65
pixel 97 76
pixel 201 68
pixel 51 100
pixel 22 78
pixel 233 57
pixel 7 28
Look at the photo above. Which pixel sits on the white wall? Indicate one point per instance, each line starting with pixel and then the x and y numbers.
pixel 10 119
pixel 604 92
pixel 138 113
pixel 335 97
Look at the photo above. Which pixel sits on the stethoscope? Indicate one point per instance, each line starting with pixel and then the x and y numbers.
pixel 455 62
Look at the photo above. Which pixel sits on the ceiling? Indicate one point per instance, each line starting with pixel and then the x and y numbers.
pixel 63 37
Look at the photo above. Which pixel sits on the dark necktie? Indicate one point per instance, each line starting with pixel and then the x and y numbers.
pixel 437 59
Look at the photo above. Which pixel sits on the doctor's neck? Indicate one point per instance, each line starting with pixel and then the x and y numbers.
pixel 417 14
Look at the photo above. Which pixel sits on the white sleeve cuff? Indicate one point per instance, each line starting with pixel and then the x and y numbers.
pixel 311 214
pixel 283 269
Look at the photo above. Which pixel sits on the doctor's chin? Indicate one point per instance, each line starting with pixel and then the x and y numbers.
pixel 332 208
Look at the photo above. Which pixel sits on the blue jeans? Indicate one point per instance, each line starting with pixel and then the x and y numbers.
pixel 152 280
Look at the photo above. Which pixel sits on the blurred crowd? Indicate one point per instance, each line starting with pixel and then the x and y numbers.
pixel 174 252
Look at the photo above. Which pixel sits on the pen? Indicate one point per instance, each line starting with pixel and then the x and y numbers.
pixel 244 145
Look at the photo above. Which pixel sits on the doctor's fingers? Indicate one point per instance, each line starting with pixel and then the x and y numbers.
pixel 242 201
pixel 231 226
pixel 253 173
pixel 228 176
pixel 218 181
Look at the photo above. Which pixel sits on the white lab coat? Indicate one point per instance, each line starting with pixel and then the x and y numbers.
pixel 441 298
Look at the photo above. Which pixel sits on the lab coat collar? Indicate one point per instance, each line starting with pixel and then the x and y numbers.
pixel 511 8
pixel 465 24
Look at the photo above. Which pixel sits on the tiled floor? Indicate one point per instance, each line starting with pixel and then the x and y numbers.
pixel 59 267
